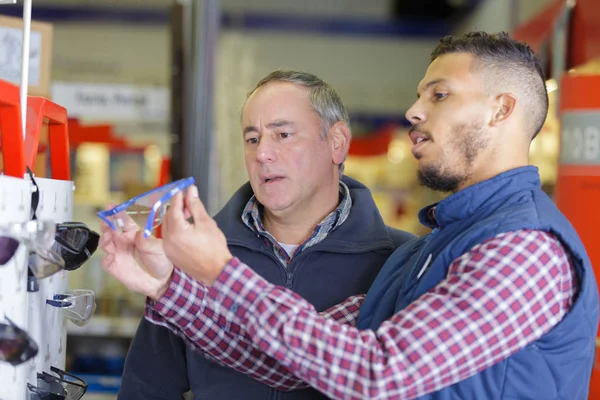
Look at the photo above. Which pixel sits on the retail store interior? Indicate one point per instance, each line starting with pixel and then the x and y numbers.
pixel 154 89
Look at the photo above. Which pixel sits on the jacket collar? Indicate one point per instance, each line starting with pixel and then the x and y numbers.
pixel 364 224
pixel 467 202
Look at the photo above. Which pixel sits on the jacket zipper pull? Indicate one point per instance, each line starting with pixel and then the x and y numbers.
pixel 424 267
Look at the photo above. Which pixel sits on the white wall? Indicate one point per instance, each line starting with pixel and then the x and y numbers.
pixel 370 74
pixel 359 8
pixel 111 53
pixel 499 15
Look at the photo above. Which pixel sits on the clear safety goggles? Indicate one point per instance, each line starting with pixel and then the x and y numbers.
pixel 146 210
pixel 36 393
pixel 38 237
pixel 77 305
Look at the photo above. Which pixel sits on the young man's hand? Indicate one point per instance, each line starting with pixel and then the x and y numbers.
pixel 198 247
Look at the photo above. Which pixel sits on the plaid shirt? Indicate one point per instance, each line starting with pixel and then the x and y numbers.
pixel 252 217
pixel 496 299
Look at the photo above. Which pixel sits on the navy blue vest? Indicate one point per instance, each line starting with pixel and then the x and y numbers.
pixel 559 364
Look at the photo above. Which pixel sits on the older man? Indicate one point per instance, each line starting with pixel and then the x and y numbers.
pixel 302 224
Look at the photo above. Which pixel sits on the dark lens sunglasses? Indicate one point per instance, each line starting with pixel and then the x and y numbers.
pixel 69 385
pixel 36 393
pixel 76 243
pixel 8 248
pixel 16 346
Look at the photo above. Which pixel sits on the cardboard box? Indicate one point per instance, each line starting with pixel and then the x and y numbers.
pixel 40 54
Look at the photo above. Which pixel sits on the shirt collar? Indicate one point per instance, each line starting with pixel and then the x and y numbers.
pixel 252 214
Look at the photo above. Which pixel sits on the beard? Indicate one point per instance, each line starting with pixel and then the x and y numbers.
pixel 466 143
pixel 431 178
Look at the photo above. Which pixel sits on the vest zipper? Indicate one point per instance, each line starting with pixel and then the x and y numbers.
pixel 419 268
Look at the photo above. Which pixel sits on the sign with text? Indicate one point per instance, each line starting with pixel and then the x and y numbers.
pixel 578 184
pixel 580 138
pixel 113 102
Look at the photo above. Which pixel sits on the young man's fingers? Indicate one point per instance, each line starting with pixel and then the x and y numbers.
pixel 104 228
pixel 174 217
pixel 194 205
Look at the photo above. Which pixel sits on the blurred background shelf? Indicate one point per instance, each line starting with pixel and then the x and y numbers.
pixel 100 325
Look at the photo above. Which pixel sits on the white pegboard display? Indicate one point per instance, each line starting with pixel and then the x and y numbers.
pixel 15 205
pixel 45 324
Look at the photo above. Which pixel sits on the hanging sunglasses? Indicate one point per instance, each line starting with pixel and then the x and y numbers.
pixel 146 210
pixel 36 393
pixel 40 265
pixel 38 237
pixel 46 383
pixel 44 262
pixel 69 385
pixel 78 305
pixel 8 248
pixel 75 242
pixel 16 346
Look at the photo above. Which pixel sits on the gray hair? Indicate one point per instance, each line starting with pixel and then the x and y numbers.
pixel 323 98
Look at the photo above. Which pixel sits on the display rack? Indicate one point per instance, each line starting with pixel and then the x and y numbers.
pixel 15 203
pixel 46 325
pixel 21 121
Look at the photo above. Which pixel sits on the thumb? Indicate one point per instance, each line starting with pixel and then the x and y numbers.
pixel 194 205
pixel 147 245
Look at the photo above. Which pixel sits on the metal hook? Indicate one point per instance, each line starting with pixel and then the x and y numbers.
pixel 55 200
pixel 66 203
pixel 41 204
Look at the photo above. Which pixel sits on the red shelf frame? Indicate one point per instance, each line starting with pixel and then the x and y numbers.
pixel 18 153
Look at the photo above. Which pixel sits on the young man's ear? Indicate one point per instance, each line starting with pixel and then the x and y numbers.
pixel 339 137
pixel 506 104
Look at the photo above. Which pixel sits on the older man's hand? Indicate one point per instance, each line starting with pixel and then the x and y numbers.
pixel 198 248
pixel 139 263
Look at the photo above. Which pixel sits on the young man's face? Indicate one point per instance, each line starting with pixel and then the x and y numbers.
pixel 288 161
pixel 450 134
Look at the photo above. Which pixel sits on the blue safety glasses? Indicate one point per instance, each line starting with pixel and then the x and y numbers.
pixel 146 210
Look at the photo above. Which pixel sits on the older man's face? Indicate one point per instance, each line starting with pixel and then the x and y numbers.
pixel 288 161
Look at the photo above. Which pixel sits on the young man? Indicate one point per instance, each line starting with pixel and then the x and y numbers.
pixel 297 220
